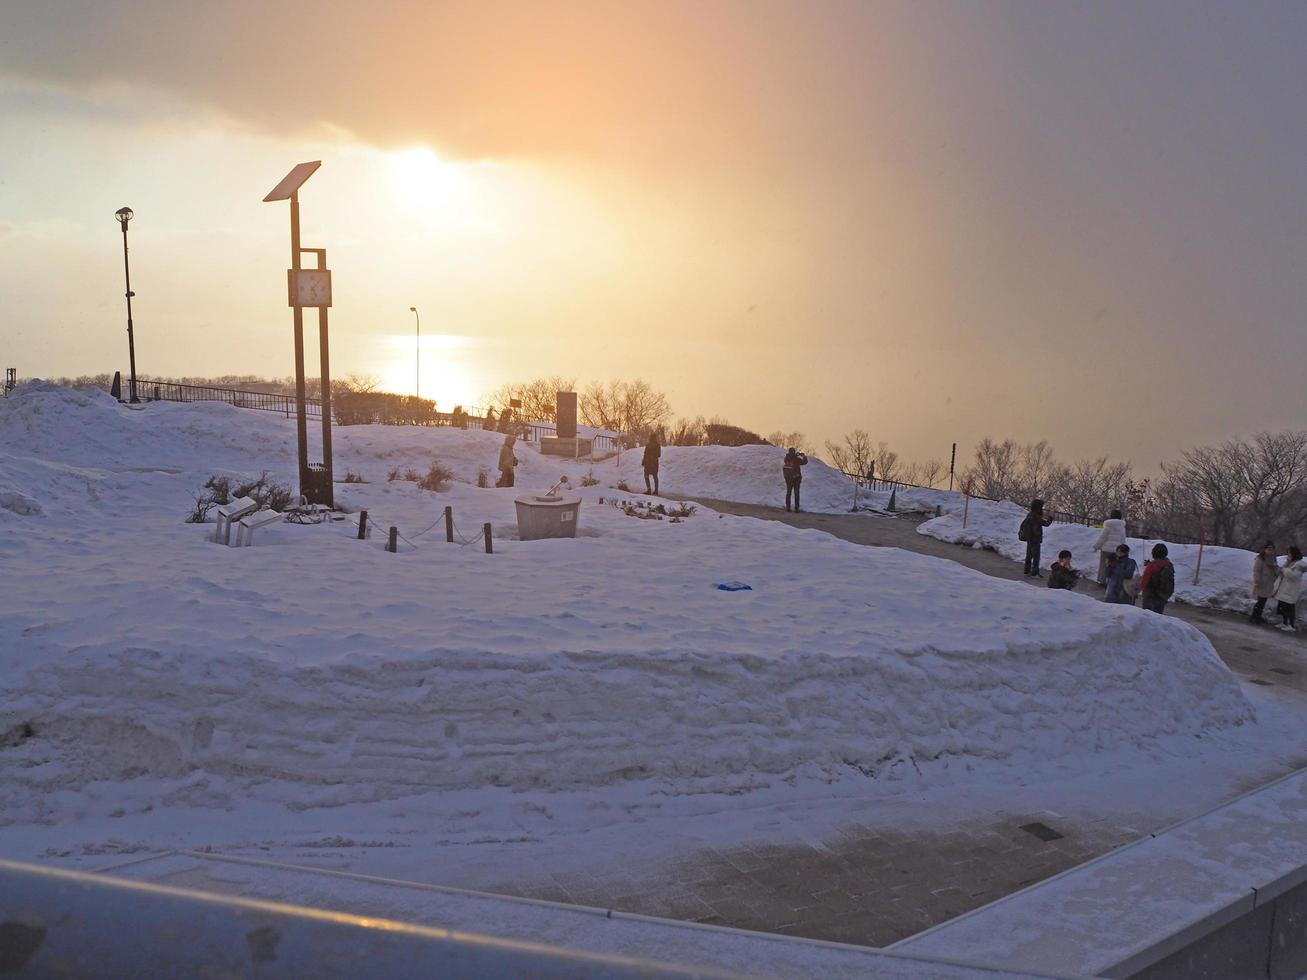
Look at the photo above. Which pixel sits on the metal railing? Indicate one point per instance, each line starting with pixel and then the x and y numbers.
pixel 266 401
pixel 1145 532
pixel 149 390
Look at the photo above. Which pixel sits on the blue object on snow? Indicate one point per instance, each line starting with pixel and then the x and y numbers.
pixel 734 587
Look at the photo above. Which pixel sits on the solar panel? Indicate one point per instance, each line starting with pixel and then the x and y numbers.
pixel 293 181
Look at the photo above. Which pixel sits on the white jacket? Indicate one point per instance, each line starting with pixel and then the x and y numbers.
pixel 1290 586
pixel 1113 534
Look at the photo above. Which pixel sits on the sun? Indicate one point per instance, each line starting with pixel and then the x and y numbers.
pixel 421 177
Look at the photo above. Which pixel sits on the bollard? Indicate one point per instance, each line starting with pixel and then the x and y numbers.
pixel 393 544
pixel 490 548
pixel 449 524
pixel 363 524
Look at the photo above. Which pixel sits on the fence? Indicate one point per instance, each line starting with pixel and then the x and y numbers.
pixel 270 401
pixel 1145 532
pixel 267 401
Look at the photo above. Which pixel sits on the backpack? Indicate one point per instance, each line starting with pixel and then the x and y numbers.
pixel 1023 533
pixel 1163 583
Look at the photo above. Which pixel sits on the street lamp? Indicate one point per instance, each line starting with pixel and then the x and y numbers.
pixel 417 352
pixel 124 215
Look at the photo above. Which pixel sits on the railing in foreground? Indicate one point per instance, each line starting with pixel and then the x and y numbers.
pixel 71 924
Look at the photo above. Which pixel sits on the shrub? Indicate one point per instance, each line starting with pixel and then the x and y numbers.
pixel 590 480
pixel 218 490
pixel 437 478
pixel 483 480
pixel 352 477
pixel 393 475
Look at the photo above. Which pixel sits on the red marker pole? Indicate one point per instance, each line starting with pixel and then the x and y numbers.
pixel 1202 537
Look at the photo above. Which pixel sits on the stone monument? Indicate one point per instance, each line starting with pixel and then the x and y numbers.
pixel 565 442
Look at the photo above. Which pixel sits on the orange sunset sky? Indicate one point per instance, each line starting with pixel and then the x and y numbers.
pixel 935 221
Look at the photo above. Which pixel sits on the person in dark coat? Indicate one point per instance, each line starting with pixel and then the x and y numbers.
pixel 793 475
pixel 653 452
pixel 1157 584
pixel 507 461
pixel 1032 533
pixel 1061 575
pixel 1121 569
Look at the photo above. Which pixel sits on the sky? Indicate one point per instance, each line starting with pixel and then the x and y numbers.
pixel 1080 222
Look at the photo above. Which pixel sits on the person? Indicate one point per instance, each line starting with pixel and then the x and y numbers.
pixel 1113 534
pixel 1060 574
pixel 793 475
pixel 1158 582
pixel 1266 570
pixel 1121 569
pixel 653 452
pixel 506 461
pixel 460 417
pixel 1032 533
pixel 489 422
pixel 506 420
pixel 1289 588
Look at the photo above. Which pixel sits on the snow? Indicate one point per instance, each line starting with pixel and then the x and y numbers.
pixel 1124 911
pixel 1225 581
pixel 179 692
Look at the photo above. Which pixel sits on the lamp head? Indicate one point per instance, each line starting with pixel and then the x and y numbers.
pixel 123 215
pixel 412 309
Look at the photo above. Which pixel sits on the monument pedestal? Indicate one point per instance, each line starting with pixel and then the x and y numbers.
pixel 571 448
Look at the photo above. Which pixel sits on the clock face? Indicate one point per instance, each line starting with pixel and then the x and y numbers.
pixel 309 287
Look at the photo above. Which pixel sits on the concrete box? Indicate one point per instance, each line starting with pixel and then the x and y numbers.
pixel 539 516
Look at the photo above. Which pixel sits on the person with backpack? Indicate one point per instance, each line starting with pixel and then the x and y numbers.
pixel 653 452
pixel 1120 570
pixel 1266 575
pixel 1031 532
pixel 1158 582
pixel 1061 575
pixel 1113 534
pixel 793 475
pixel 507 461
pixel 1289 588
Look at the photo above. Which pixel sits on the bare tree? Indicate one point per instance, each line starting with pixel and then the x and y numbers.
pixel 994 472
pixel 1206 487
pixel 930 472
pixel 1093 487
pixel 887 462
pixel 539 397
pixel 854 455
pixel 787 439
pixel 624 406
pixel 686 432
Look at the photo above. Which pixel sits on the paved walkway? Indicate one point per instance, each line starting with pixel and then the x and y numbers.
pixel 1259 654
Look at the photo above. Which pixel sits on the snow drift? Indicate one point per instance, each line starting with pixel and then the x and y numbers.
pixel 315 669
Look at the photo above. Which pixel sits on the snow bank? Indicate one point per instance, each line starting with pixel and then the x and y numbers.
pixel 1226 576
pixel 315 669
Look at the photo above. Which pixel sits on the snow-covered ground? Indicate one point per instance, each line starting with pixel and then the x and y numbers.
pixel 1224 581
pixel 158 689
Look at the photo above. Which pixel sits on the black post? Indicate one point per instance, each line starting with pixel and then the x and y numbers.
pixel 951 463
pixel 393 544
pixel 131 339
pixel 363 524
pixel 490 548
pixel 449 524
pixel 301 413
pixel 329 479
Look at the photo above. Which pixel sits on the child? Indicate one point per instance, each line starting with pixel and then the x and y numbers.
pixel 1121 569
pixel 1060 574
pixel 1157 584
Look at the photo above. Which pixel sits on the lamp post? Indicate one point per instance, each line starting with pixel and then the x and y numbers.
pixel 417 352
pixel 124 215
